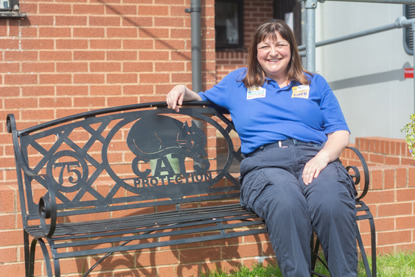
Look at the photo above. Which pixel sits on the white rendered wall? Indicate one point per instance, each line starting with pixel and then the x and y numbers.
pixel 366 73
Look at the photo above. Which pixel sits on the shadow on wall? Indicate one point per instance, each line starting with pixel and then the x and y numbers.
pixel 376 78
pixel 132 22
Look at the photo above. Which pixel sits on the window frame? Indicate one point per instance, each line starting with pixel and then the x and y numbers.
pixel 240 15
pixel 13 11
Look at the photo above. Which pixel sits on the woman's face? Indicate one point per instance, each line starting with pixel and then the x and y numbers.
pixel 274 55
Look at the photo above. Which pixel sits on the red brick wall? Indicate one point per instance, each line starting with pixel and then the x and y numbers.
pixel 73 56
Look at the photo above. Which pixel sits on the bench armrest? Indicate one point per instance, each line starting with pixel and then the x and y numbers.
pixel 355 174
pixel 47 209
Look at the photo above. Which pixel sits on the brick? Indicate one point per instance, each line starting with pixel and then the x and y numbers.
pixel 20 79
pixel 71 44
pixel 55 56
pixel 405 195
pixel 9 44
pixel 169 22
pixel 88 9
pixel 122 55
pixel 54 8
pixel 381 224
pixel 9 67
pixel 160 33
pixel 104 21
pixel 407 222
pixel 9 91
pixel 71 90
pixel 389 177
pixel 137 21
pixel 8 255
pixel 380 197
pixel 20 56
pixel 120 101
pixel 13 269
pixel 55 79
pixel 71 20
pixel 89 102
pixel 138 44
pixel 401 177
pixel 105 44
pixel 41 20
pixel 153 10
pixel 55 32
pixel 11 237
pixel 411 177
pixel 154 78
pixel 89 55
pixel 122 78
pixel 153 55
pixel 122 32
pixel 86 78
pixel 106 90
pixel 376 178
pixel 38 67
pixel 137 90
pixel 395 209
pixel 71 67
pixel 121 9
pixel 28 114
pixel 181 77
pixel 392 160
pixel 191 256
pixel 89 32
pixel 394 237
pixel 49 102
pixel 137 66
pixel 105 66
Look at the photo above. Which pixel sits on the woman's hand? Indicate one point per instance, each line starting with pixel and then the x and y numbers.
pixel 332 149
pixel 178 94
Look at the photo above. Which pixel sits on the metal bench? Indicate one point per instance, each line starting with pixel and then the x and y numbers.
pixel 135 177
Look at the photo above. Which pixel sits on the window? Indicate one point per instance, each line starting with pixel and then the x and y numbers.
pixel 290 12
pixel 4 5
pixel 229 24
pixel 408 36
pixel 10 9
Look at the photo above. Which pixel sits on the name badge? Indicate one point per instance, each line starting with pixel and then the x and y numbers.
pixel 301 92
pixel 255 92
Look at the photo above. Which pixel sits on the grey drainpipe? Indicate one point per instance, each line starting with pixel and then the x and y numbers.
pixel 195 10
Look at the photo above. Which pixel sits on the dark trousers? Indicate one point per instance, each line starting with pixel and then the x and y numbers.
pixel 272 187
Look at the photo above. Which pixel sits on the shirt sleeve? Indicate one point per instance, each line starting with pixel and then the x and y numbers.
pixel 219 93
pixel 333 116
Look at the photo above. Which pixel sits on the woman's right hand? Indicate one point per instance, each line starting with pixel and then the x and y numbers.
pixel 178 94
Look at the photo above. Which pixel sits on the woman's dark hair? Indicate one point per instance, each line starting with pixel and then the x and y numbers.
pixel 255 75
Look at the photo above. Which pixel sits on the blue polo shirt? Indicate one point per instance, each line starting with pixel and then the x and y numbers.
pixel 269 113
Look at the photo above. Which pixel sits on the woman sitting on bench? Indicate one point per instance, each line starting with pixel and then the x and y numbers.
pixel 292 132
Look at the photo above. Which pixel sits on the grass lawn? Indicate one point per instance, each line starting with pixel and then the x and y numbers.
pixel 395 265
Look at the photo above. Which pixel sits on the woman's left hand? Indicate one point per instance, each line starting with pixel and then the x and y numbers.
pixel 331 151
pixel 314 166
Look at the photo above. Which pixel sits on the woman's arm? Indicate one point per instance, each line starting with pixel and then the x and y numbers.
pixel 178 94
pixel 334 146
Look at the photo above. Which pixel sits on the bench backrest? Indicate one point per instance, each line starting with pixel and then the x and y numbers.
pixel 134 156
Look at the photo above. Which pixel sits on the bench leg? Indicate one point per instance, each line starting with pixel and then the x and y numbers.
pixel 30 252
pixel 369 273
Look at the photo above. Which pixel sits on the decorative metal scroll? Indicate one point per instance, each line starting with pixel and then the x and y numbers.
pixel 163 157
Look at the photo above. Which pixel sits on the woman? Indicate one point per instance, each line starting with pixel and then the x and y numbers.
pixel 292 132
